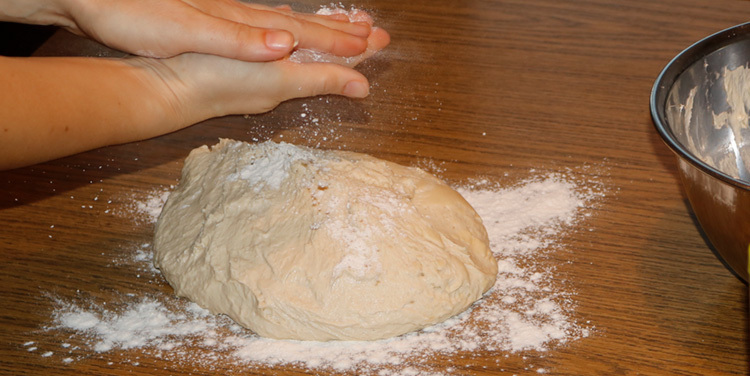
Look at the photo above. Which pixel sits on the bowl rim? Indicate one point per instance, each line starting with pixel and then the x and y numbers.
pixel 666 80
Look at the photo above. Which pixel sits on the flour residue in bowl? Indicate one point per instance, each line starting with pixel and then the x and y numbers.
pixel 736 83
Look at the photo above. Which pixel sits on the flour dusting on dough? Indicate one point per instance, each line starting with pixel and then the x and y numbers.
pixel 298 243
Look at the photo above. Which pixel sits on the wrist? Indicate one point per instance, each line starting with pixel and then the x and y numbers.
pixel 186 85
pixel 166 102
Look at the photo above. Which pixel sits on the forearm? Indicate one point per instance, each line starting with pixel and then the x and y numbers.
pixel 40 12
pixel 52 107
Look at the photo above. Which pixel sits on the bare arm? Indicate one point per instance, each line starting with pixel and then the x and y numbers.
pixel 58 106
pixel 52 107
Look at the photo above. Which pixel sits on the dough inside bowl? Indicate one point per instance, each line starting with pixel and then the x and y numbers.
pixel 306 244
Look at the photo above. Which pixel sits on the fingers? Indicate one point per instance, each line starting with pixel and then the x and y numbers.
pixel 355 25
pixel 377 40
pixel 308 80
pixel 355 22
pixel 276 31
pixel 233 40
pixel 207 86
pixel 304 80
pixel 332 33
pixel 316 32
pixel 340 45
pixel 341 38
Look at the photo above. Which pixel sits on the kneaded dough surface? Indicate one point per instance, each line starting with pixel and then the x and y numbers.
pixel 299 243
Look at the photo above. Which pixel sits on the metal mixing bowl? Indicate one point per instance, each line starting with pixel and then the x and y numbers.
pixel 687 96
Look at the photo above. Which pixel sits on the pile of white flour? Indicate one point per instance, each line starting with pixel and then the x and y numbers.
pixel 527 310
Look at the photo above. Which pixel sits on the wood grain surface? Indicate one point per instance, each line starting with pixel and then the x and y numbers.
pixel 493 88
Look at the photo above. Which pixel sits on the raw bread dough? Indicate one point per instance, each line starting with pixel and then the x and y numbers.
pixel 299 243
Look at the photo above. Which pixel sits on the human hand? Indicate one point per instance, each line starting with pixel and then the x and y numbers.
pixel 227 28
pixel 195 87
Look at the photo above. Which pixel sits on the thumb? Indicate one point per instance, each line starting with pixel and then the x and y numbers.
pixel 284 80
pixel 206 86
pixel 312 79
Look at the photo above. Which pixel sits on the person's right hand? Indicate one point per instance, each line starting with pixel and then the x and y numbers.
pixel 195 87
pixel 227 28
pixel 167 28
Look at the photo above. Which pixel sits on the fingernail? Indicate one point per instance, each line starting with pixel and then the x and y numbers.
pixel 279 40
pixel 356 89
pixel 366 28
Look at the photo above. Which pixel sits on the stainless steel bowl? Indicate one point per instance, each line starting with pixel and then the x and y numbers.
pixel 687 100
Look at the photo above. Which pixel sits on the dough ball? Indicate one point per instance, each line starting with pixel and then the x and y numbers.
pixel 305 244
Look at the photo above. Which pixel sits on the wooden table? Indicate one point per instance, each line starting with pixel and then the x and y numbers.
pixel 479 88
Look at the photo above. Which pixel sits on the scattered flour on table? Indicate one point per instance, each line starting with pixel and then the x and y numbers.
pixel 142 208
pixel 152 206
pixel 527 310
